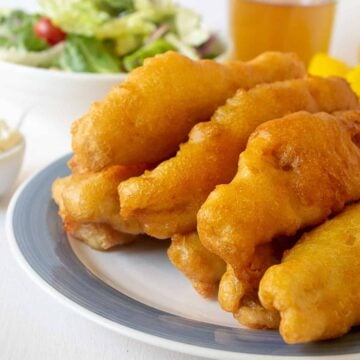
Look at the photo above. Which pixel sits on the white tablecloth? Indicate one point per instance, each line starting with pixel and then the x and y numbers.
pixel 34 326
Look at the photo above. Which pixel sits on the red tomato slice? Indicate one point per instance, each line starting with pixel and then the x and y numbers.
pixel 47 31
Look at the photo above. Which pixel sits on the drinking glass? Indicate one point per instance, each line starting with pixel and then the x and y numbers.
pixel 300 26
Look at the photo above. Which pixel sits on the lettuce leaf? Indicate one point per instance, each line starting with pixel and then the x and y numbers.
pixel 127 44
pixel 132 24
pixel 156 11
pixel 88 55
pixel 46 58
pixel 190 28
pixel 115 7
pixel 141 5
pixel 82 17
pixel 181 47
pixel 136 59
pixel 17 31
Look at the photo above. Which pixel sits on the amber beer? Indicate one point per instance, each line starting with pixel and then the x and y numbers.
pixel 304 27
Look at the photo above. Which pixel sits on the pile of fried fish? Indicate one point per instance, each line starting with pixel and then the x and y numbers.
pixel 252 169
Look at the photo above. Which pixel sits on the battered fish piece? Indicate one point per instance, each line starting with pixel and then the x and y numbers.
pixel 232 290
pixel 166 200
pixel 253 315
pixel 295 172
pixel 144 119
pixel 316 287
pixel 240 297
pixel 89 206
pixel 98 236
pixel 203 268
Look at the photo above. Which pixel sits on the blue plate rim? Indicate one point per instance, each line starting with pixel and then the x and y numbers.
pixel 123 330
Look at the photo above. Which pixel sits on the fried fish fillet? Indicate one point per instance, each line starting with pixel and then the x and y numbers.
pixel 97 236
pixel 242 301
pixel 166 200
pixel 233 291
pixel 203 268
pixel 294 173
pixel 144 119
pixel 253 315
pixel 89 206
pixel 316 287
pixel 240 296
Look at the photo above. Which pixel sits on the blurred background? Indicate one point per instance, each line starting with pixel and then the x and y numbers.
pixel 346 38
pixel 53 101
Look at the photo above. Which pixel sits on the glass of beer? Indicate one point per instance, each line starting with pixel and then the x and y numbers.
pixel 300 26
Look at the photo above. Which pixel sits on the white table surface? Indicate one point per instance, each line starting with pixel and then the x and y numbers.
pixel 34 326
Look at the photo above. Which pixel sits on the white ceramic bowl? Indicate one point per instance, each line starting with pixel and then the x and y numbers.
pixel 10 165
pixel 54 98
pixel 58 97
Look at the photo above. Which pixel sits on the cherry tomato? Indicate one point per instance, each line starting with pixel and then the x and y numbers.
pixel 47 31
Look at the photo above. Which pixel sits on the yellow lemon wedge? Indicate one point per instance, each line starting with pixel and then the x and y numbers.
pixel 325 65
pixel 353 77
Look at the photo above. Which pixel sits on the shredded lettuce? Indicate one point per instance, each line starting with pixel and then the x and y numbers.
pixel 190 28
pixel 88 55
pixel 156 11
pixel 132 24
pixel 82 17
pixel 137 58
pixel 105 36
pixel 17 31
pixel 45 58
pixel 116 7
pixel 141 5
pixel 182 48
pixel 127 44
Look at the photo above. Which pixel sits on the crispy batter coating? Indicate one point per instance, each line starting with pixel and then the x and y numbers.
pixel 144 119
pixel 253 315
pixel 167 199
pixel 316 287
pixel 97 236
pixel 203 268
pixel 89 206
pixel 295 172
pixel 240 296
pixel 232 290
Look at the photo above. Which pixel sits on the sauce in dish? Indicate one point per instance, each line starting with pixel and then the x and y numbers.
pixel 8 137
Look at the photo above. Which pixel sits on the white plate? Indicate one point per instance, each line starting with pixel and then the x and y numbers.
pixel 135 291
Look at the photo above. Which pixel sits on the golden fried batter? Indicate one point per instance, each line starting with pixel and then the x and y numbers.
pixel 203 268
pixel 166 200
pixel 240 297
pixel 89 206
pixel 253 315
pixel 316 287
pixel 295 172
pixel 97 236
pixel 144 119
pixel 232 290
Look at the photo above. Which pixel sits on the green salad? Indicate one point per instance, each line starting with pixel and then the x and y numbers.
pixel 103 36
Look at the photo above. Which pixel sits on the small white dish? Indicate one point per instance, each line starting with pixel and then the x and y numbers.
pixel 10 165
